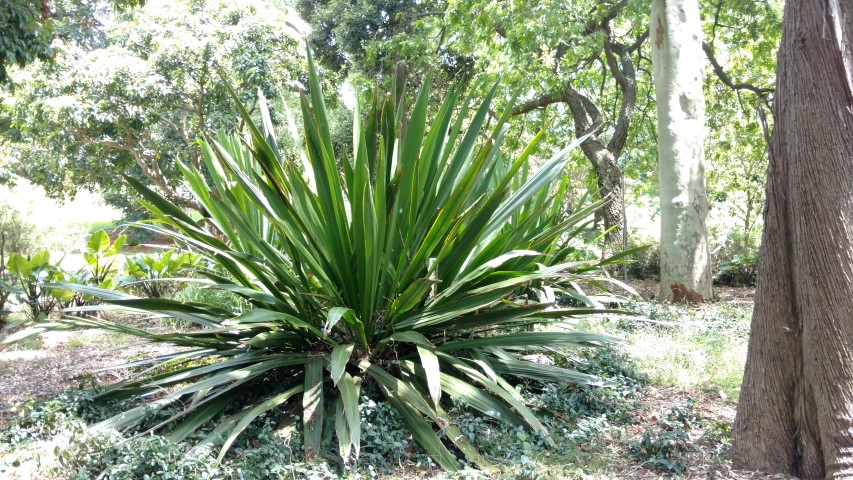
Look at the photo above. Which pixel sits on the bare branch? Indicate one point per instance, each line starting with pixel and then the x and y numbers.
pixel 541 102
pixel 638 42
pixel 764 93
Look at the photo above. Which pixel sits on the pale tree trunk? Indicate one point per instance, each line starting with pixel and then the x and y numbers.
pixel 676 35
pixel 795 413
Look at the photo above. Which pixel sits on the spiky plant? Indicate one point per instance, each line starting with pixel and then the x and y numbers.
pixel 412 267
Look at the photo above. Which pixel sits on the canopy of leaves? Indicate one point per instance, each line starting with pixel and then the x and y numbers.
pixel 23 36
pixel 134 102
pixel 28 27
pixel 540 47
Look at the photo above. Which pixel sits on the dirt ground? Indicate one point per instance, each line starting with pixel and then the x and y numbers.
pixel 58 360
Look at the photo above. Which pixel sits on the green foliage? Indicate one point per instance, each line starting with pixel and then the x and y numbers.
pixel 141 457
pixel 18 233
pixel 28 276
pixel 646 263
pixel 107 225
pixel 616 401
pixel 28 28
pixel 149 273
pixel 16 236
pixel 413 273
pixel 24 36
pixel 540 54
pixel 274 453
pixel 208 294
pixel 736 259
pixel 664 446
pixel 386 442
pixel 745 37
pixel 133 102
pixel 370 38
pixel 100 256
pixel 741 271
pixel 273 448
pixel 38 420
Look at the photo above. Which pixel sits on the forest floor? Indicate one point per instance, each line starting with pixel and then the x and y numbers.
pixel 692 355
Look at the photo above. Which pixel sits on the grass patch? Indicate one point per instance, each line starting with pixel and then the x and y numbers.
pixel 690 348
pixel 200 293
pixel 111 340
pixel 689 358
pixel 32 343
pixel 76 343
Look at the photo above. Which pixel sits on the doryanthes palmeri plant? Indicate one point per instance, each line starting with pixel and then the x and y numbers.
pixel 410 271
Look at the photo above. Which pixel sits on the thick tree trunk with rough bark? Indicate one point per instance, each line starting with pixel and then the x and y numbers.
pixel 677 61
pixel 610 185
pixel 795 413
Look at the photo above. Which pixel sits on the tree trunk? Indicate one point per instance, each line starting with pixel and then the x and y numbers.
pixel 609 185
pixel 677 64
pixel 587 118
pixel 795 413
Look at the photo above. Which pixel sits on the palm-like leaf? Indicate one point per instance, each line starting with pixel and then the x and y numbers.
pixel 404 272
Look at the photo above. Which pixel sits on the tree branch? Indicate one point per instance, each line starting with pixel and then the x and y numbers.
pixel 626 78
pixel 151 171
pixel 639 42
pixel 595 24
pixel 541 102
pixel 764 93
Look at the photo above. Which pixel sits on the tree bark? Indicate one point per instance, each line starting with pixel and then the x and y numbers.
pixel 795 413
pixel 677 71
pixel 604 161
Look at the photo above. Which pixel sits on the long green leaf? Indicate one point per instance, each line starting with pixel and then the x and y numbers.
pixel 248 417
pixel 312 408
pixel 340 356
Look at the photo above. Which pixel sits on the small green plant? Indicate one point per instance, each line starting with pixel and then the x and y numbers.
pixel 7 282
pixel 100 256
pixel 75 343
pixel 387 442
pixel 102 225
pixel 646 262
pixel 28 278
pixel 149 274
pixel 16 236
pixel 97 455
pixel 616 401
pixel 35 420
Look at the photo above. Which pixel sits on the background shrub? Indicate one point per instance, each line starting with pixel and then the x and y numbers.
pixel 646 263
